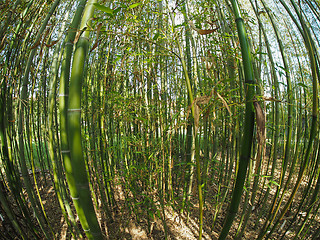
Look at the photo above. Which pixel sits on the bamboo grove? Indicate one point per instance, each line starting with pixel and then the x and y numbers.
pixel 160 112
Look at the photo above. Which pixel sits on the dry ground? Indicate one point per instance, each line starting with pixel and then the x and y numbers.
pixel 127 224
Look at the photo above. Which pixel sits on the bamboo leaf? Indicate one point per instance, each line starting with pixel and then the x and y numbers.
pixel 270 99
pixel 224 103
pixel 206 31
pixel 51 44
pixel 196 116
pixel 260 120
pixel 115 11
pixel 3 41
pixel 274 182
pixel 202 31
pixel 135 5
pixel 203 99
pixel 36 44
pixel 79 34
pixel 156 36
pixel 302 85
pixel 97 40
pixel 103 9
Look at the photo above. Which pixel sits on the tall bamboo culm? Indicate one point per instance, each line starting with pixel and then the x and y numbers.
pixel 247 137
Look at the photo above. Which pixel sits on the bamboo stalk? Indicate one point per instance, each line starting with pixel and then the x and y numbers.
pixel 246 145
pixel 79 189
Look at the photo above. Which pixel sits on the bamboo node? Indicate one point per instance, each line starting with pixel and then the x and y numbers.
pixel 239 19
pixel 86 230
pixel 84 38
pixel 82 186
pixel 250 81
pixel 65 151
pixel 74 110
pixel 63 95
pixel 95 234
pixel 75 198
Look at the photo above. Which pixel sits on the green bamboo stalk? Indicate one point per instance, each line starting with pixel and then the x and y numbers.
pixel 21 122
pixel 247 137
pixel 297 138
pixel 63 99
pixel 104 151
pixel 80 190
pixel 31 155
pixel 309 46
pixel 273 209
pixel 5 161
pixel 297 147
pixel 190 141
pixel 100 182
pixel 195 117
pixel 4 24
pixel 311 204
pixel 53 146
pixel 275 133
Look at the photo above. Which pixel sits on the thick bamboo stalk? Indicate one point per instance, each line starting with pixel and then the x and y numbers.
pixel 80 190
pixel 247 137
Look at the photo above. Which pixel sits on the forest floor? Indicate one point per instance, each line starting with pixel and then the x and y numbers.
pixel 134 223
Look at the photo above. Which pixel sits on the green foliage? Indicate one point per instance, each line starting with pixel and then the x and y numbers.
pixel 134 5
pixel 157 117
pixel 104 9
